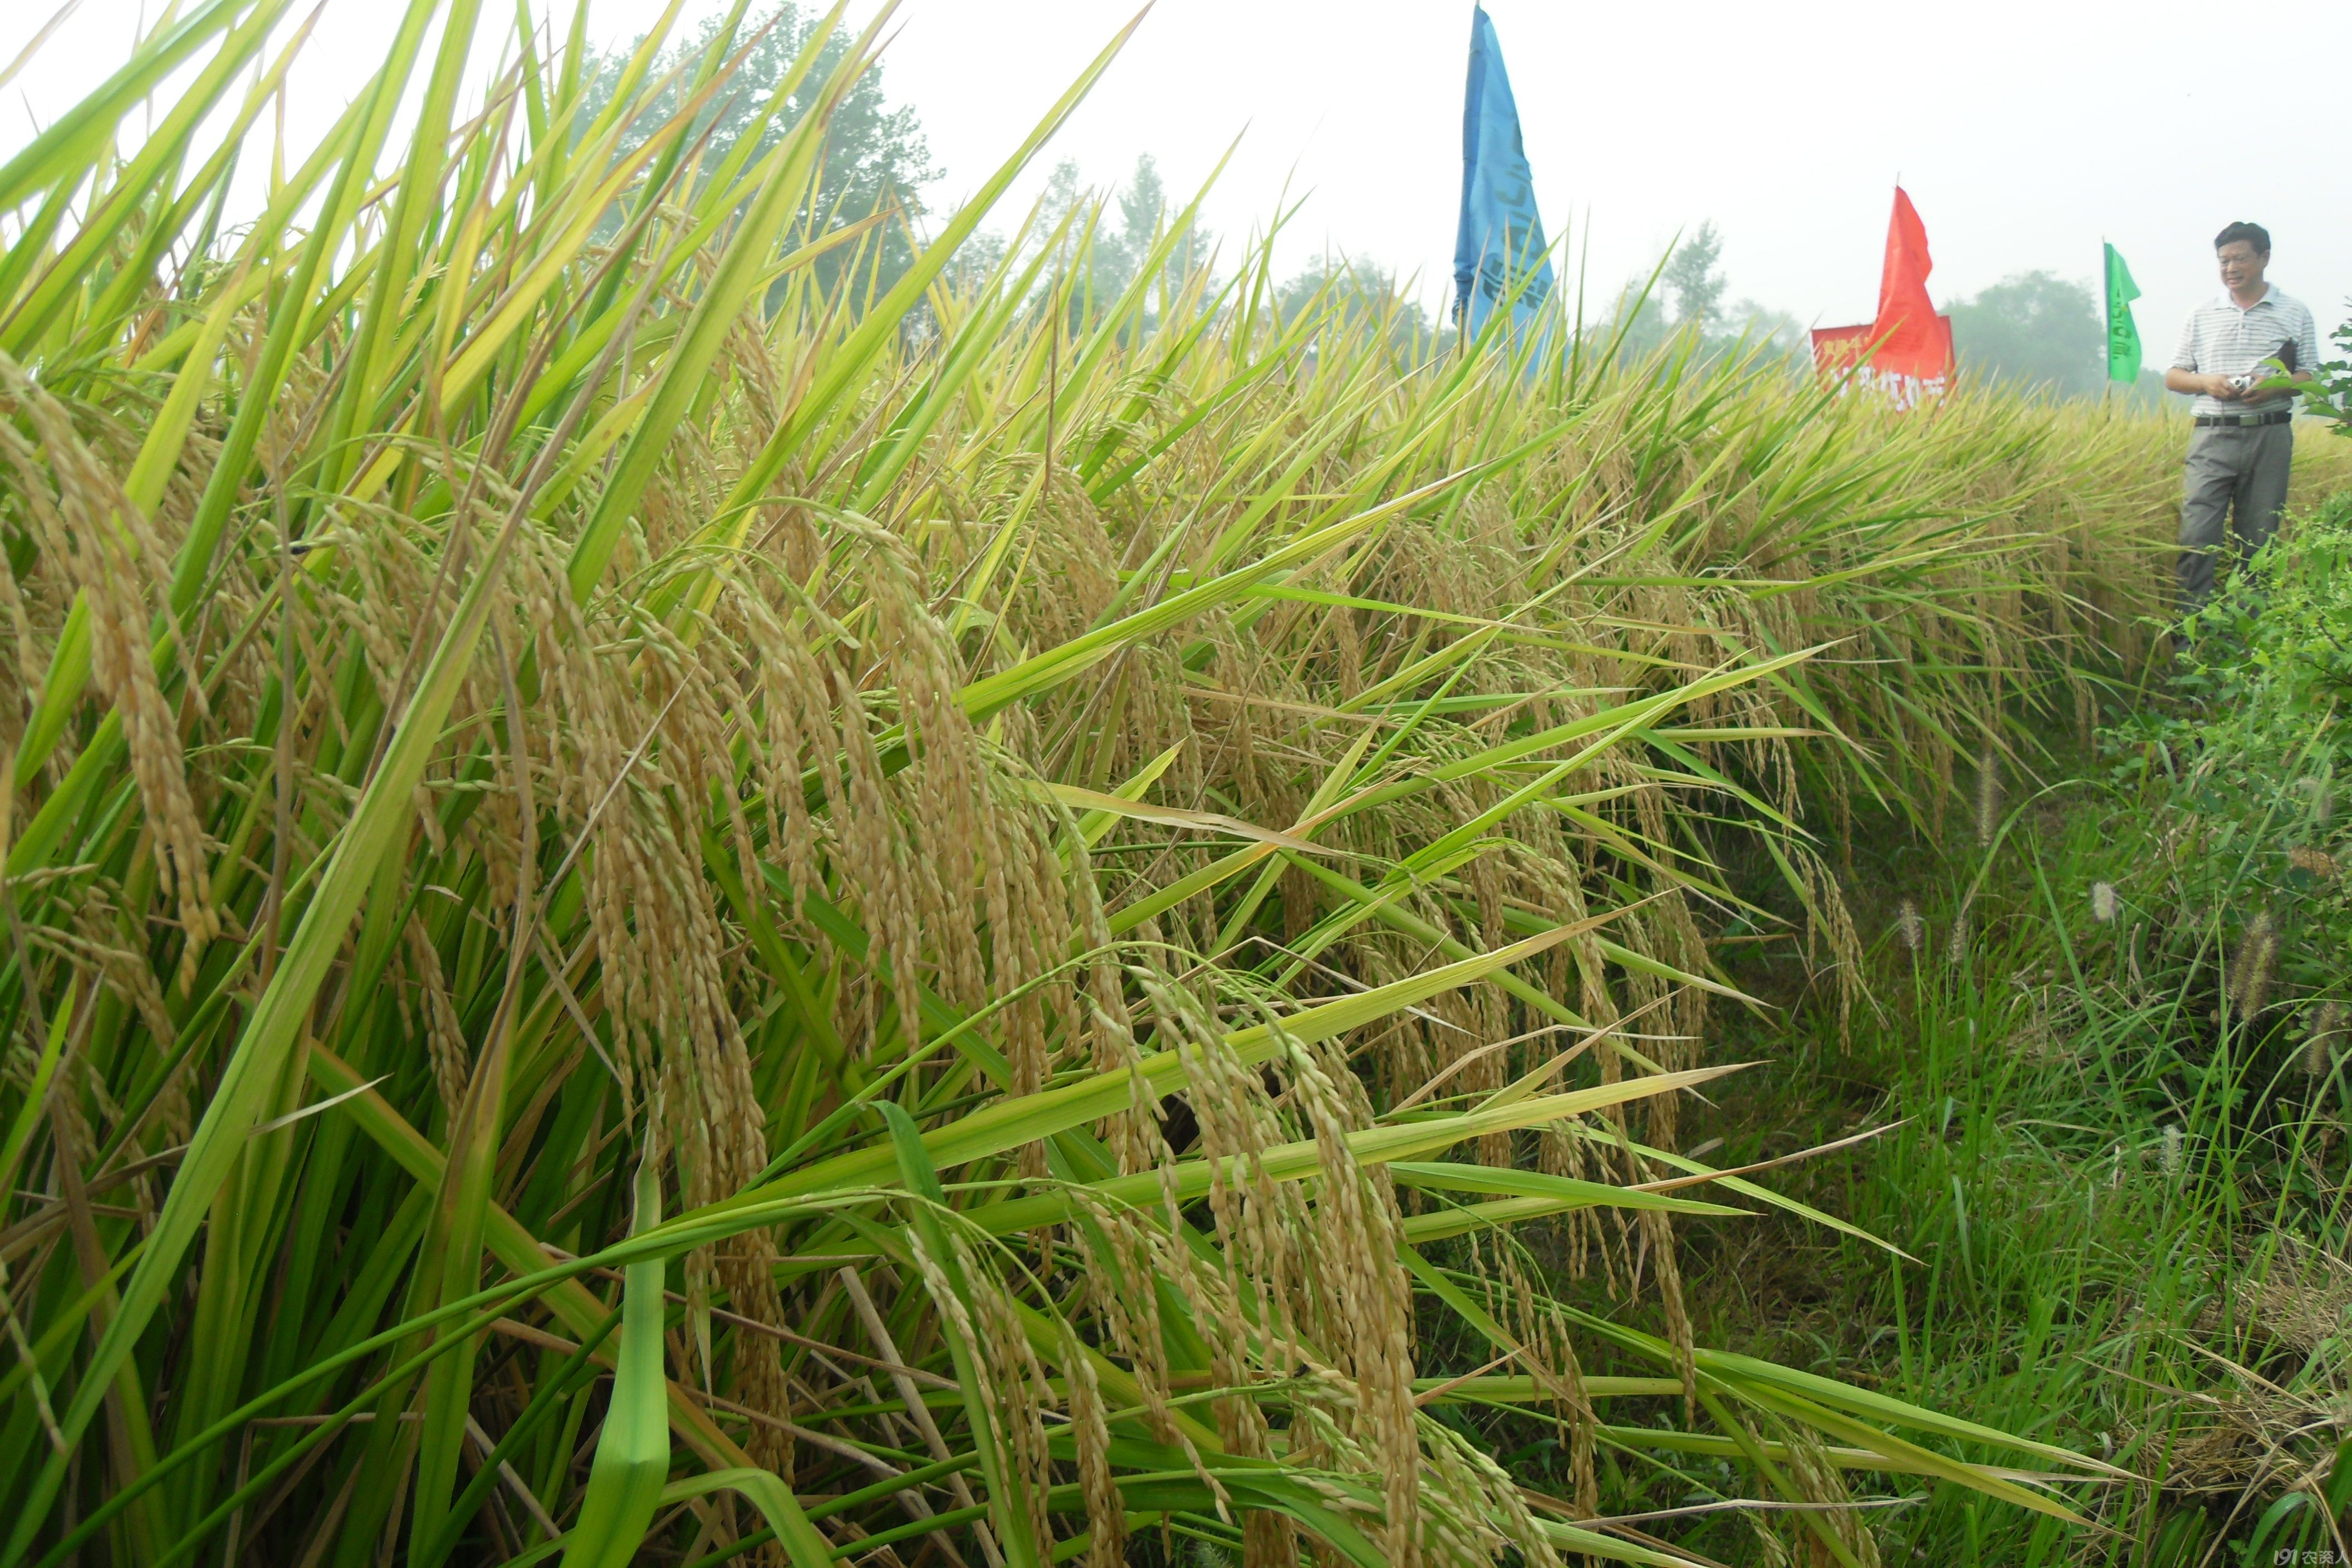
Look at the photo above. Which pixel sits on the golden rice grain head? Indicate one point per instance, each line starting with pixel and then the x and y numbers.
pixel 1131 1316
pixel 1659 1226
pixel 1022 1387
pixel 30 663
pixel 1090 1437
pixel 444 1038
pixel 1549 1355
pixel 873 853
pixel 86 527
pixel 1818 1480
pixel 1268 1541
pixel 1832 924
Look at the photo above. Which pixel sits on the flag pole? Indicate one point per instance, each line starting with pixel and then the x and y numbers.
pixel 1462 300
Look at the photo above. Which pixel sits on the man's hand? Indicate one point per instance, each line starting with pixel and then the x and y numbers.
pixel 2189 383
pixel 2274 394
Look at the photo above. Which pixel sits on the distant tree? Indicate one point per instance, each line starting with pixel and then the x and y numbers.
pixel 1357 290
pixel 1116 232
pixel 1145 215
pixel 2033 329
pixel 1638 325
pixel 1062 194
pixel 875 158
pixel 974 262
pixel 1140 207
pixel 1697 286
pixel 1761 325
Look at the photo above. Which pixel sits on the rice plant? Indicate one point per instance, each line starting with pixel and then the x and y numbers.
pixel 656 905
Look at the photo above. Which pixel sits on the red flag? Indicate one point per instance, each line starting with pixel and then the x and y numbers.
pixel 1912 340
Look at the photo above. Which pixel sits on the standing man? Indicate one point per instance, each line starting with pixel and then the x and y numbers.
pixel 2243 442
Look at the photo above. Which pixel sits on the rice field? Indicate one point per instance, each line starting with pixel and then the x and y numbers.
pixel 660 913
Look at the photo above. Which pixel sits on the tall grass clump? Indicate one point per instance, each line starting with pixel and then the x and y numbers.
pixel 649 910
pixel 2117 1159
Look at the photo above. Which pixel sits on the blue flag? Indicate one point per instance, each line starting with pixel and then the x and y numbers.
pixel 1500 245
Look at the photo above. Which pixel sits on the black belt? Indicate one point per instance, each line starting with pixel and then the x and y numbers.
pixel 2279 417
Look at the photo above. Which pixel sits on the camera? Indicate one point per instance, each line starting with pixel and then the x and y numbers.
pixel 2280 363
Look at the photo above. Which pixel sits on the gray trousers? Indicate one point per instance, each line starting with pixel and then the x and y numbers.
pixel 2236 474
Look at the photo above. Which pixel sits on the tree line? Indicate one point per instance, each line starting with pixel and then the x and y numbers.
pixel 2033 329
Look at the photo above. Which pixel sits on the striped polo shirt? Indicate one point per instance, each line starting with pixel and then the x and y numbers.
pixel 2220 339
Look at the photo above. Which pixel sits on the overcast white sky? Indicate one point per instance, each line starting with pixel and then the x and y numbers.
pixel 2025 129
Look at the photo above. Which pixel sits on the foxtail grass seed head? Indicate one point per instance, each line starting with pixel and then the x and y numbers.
pixel 1988 794
pixel 1955 946
pixel 2320 789
pixel 2250 976
pixel 2103 902
pixel 1910 927
pixel 2319 1049
pixel 2172 1148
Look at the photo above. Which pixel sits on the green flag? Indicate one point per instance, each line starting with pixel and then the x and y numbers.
pixel 2123 333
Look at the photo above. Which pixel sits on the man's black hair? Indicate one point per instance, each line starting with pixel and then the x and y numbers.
pixel 2253 233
